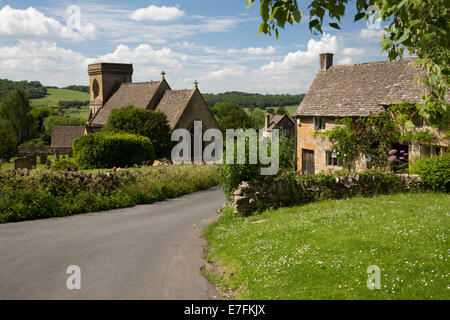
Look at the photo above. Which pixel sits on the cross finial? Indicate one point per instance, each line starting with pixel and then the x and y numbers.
pixel 163 74
pixel 196 83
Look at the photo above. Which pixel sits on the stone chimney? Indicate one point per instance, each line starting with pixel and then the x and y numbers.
pixel 266 125
pixel 326 61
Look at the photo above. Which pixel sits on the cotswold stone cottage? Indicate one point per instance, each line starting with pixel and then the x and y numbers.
pixel 112 88
pixel 352 91
pixel 283 122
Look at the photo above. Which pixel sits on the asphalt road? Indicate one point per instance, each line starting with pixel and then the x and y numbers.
pixel 146 252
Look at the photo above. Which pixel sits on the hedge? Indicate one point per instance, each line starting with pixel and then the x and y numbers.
pixel 435 172
pixel 28 195
pixel 102 150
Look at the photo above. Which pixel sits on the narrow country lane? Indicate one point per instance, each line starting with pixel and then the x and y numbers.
pixel 146 252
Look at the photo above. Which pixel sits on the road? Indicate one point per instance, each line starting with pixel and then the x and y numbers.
pixel 146 252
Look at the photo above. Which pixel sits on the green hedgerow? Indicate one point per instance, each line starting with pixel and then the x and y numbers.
pixel 102 150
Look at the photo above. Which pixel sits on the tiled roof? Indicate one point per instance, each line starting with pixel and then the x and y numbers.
pixel 357 89
pixel 138 95
pixel 274 120
pixel 173 104
pixel 62 137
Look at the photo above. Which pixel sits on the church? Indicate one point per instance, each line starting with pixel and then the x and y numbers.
pixel 111 88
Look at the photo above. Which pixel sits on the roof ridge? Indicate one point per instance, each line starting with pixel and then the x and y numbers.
pixel 371 63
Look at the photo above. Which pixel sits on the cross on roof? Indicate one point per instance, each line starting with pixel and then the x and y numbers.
pixel 196 83
pixel 163 73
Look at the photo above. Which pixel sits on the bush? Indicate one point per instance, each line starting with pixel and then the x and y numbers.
pixel 231 175
pixel 435 172
pixel 65 164
pixel 101 150
pixel 151 124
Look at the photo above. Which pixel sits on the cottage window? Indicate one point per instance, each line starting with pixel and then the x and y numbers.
pixel 319 123
pixel 331 158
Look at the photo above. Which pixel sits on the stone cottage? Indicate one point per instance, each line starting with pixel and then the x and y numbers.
pixel 353 91
pixel 283 122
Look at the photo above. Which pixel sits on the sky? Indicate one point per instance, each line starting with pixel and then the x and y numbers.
pixel 215 42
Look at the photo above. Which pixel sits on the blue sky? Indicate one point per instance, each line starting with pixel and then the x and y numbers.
pixel 212 41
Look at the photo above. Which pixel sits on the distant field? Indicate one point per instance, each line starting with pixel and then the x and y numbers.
pixel 56 95
pixel 290 109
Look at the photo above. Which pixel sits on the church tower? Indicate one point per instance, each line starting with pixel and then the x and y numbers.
pixel 104 80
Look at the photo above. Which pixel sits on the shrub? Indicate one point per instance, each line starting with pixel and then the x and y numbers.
pixel 435 172
pixel 231 175
pixel 65 164
pixel 151 124
pixel 101 150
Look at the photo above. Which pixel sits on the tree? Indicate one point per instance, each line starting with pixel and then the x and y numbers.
pixel 8 142
pixel 151 124
pixel 232 116
pixel 259 117
pixel 39 114
pixel 15 110
pixel 281 111
pixel 420 26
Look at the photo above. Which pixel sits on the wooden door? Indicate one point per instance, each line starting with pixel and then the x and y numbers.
pixel 308 161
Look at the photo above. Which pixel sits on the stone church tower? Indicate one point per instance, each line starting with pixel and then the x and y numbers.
pixel 105 79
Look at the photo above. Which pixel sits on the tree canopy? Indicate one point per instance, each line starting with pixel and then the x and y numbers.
pixel 421 27
pixel 151 124
pixel 232 116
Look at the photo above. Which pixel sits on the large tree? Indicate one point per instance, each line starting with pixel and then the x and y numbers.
pixel 151 124
pixel 232 116
pixel 8 142
pixel 422 27
pixel 15 110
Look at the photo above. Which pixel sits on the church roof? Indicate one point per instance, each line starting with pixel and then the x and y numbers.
pixel 358 89
pixel 62 137
pixel 173 104
pixel 137 94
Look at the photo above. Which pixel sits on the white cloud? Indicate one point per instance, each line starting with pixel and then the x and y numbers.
pixel 43 61
pixel 253 51
pixel 372 34
pixel 155 13
pixel 227 73
pixel 32 24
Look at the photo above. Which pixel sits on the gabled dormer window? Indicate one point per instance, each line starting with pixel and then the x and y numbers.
pixel 319 123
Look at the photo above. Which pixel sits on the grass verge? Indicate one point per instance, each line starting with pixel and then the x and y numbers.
pixel 322 250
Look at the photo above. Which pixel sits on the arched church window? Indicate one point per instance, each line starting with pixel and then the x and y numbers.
pixel 95 89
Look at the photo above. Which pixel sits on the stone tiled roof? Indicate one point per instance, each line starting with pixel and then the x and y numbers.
pixel 274 120
pixel 173 104
pixel 62 137
pixel 138 95
pixel 357 89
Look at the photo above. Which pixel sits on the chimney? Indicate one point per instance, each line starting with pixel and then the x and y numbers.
pixel 267 121
pixel 326 61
